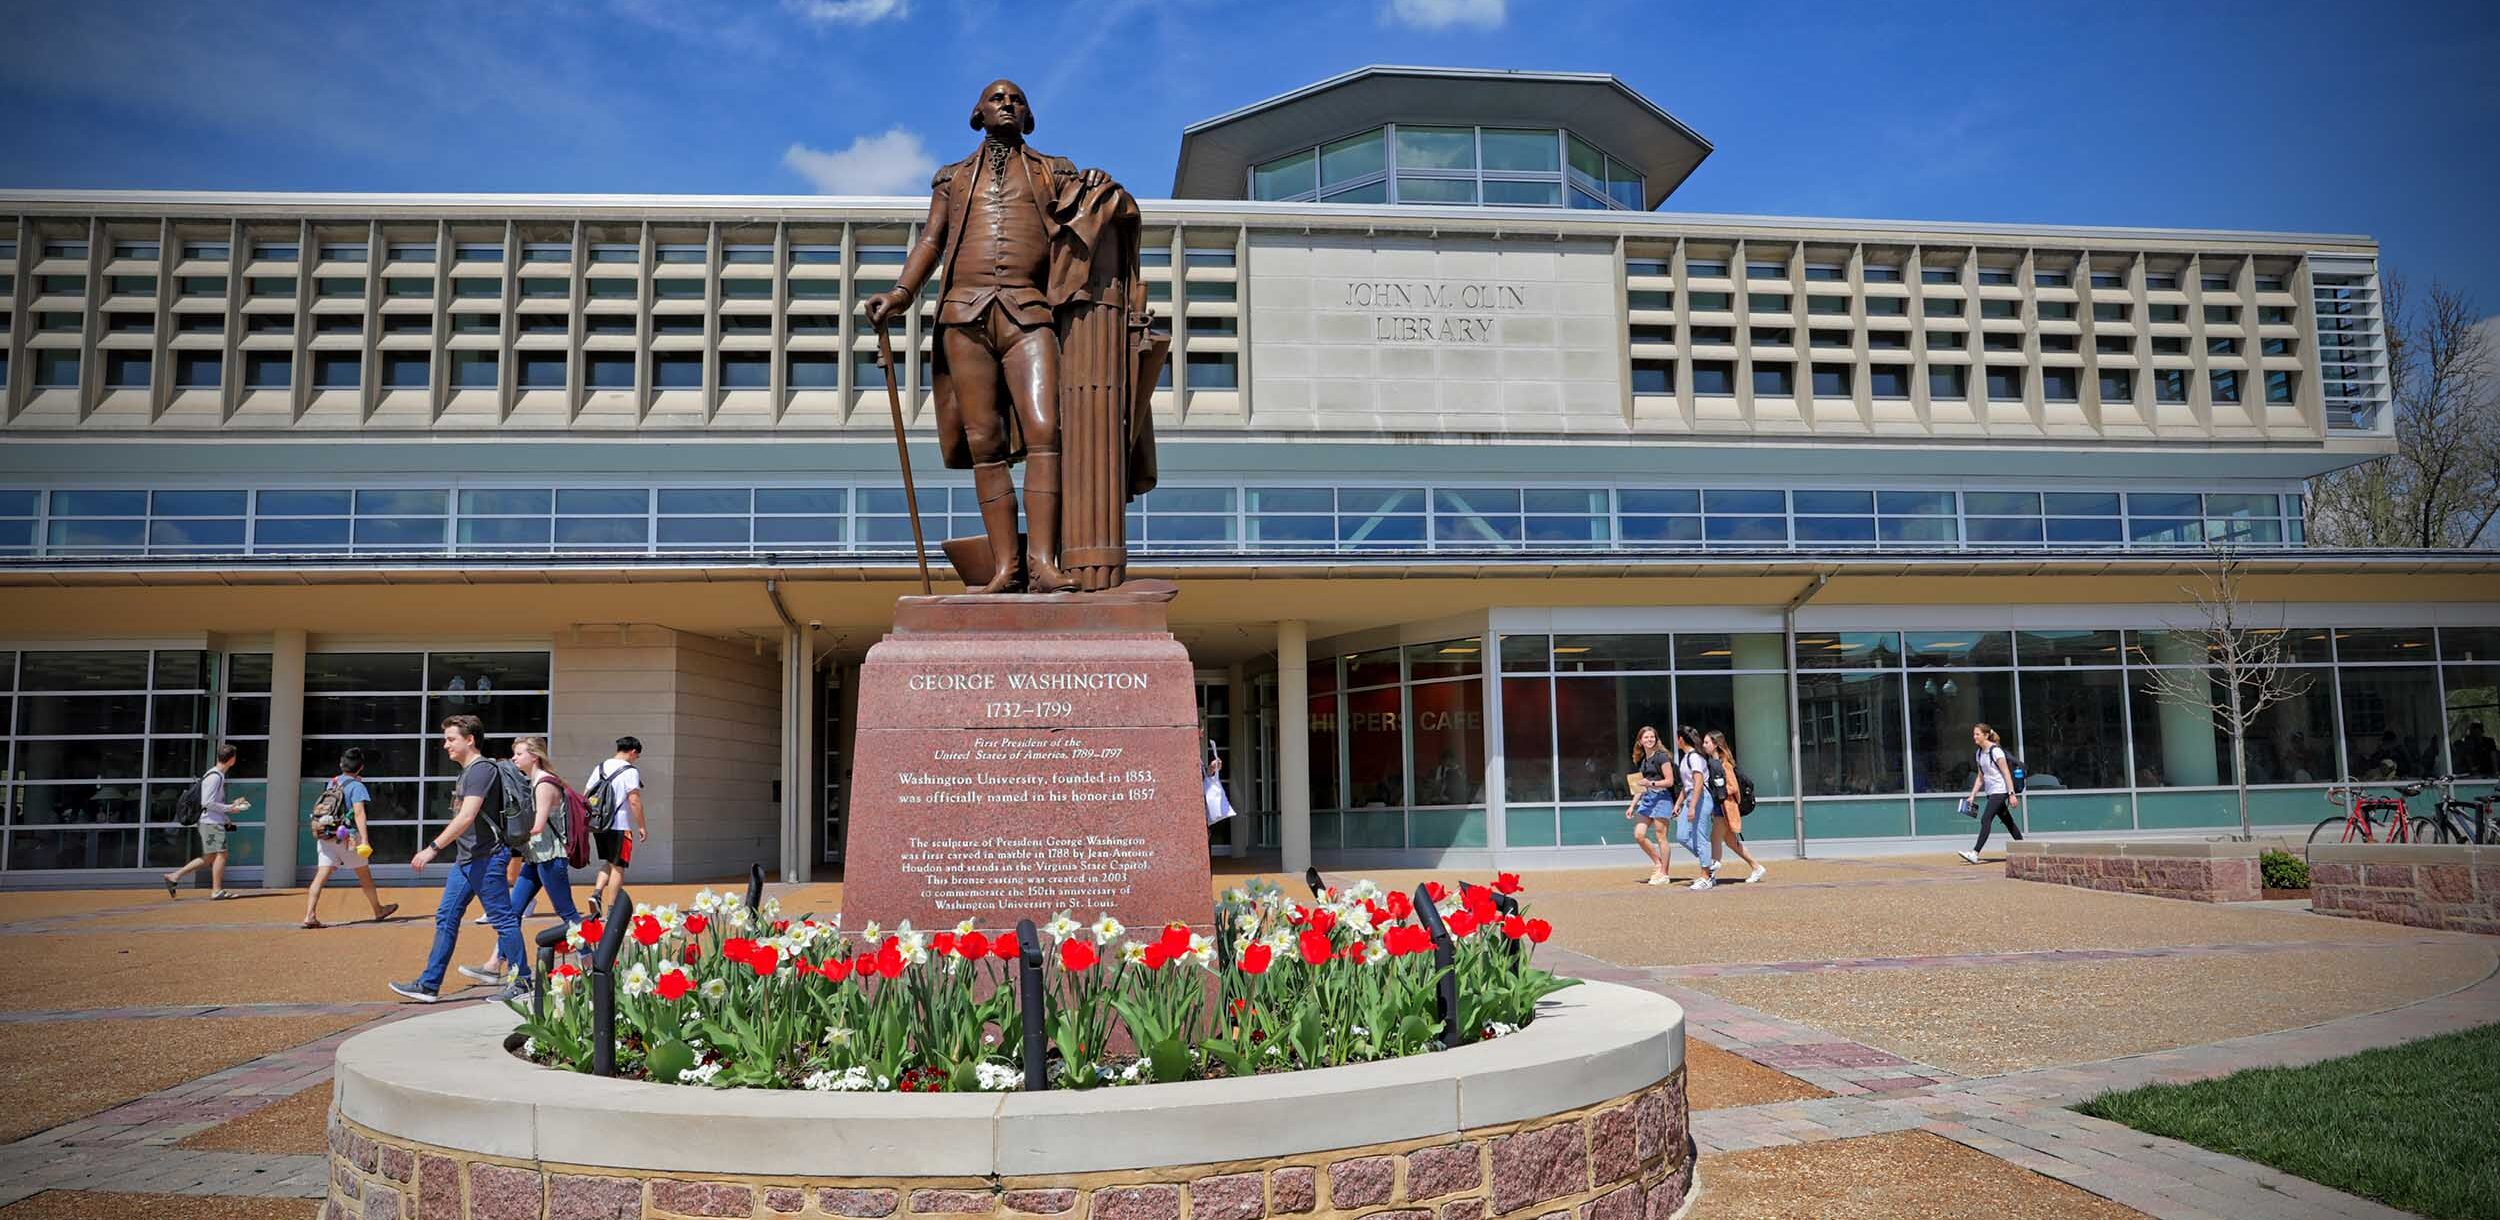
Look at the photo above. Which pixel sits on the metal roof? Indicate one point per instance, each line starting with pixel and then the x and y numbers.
pixel 1216 154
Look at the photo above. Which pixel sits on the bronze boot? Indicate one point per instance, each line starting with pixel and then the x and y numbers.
pixel 1041 522
pixel 997 489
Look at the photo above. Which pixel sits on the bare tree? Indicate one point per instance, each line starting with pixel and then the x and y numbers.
pixel 2441 488
pixel 2242 674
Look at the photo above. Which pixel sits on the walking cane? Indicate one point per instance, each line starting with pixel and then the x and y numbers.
pixel 911 494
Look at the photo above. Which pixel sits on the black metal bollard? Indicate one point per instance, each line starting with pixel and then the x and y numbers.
pixel 548 939
pixel 1310 877
pixel 1444 959
pixel 603 987
pixel 755 890
pixel 1029 998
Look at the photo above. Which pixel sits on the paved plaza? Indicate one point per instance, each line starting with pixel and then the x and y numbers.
pixel 1893 1037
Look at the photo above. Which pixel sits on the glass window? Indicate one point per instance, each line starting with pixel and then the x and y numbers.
pixel 1353 157
pixel 1850 733
pixel 1527 733
pixel 336 370
pixel 1888 381
pixel 1513 150
pixel 1777 379
pixel 1501 193
pixel 1436 147
pixel 2067 648
pixel 2005 383
pixel 2473 713
pixel 1832 380
pixel 2170 385
pixel 267 370
pixel 2117 385
pixel 1944 705
pixel 2074 728
pixel 1605 653
pixel 1447 754
pixel 1595 720
pixel 2392 722
pixel 1848 650
pixel 1948 381
pixel 1432 190
pixel 1286 177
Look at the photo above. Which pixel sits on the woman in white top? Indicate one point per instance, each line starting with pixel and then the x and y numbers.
pixel 543 860
pixel 1696 805
pixel 1993 777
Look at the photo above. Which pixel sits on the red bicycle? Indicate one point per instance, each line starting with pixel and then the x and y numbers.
pixel 2363 814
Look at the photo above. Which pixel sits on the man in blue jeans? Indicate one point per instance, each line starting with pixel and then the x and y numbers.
pixel 477 873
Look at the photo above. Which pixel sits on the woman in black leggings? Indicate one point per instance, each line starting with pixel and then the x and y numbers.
pixel 1993 779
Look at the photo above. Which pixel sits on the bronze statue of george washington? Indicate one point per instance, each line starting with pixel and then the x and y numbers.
pixel 1043 354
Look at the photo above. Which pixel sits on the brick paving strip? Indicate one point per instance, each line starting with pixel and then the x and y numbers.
pixel 2021 1117
pixel 153 1012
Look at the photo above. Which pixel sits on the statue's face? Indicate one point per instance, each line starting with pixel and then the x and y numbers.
pixel 1003 109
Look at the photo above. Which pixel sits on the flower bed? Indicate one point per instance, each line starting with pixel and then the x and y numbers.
pixel 725 996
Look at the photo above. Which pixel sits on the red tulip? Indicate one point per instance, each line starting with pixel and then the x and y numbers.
pixel 942 944
pixel 594 931
pixel 1399 905
pixel 1538 930
pixel 1435 891
pixel 646 931
pixel 1077 955
pixel 1255 959
pixel 1315 947
pixel 674 985
pixel 1514 927
pixel 762 959
pixel 1157 956
pixel 973 947
pixel 1507 883
pixel 1006 949
pixel 695 925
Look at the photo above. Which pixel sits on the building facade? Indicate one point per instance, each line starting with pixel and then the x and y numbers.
pixel 1472 464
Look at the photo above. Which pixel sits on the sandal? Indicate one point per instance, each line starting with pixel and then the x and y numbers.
pixel 388 909
pixel 172 889
pixel 315 923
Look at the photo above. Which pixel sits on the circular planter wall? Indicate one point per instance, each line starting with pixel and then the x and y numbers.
pixel 1581 1114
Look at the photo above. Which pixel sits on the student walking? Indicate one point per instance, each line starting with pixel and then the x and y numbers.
pixel 1727 828
pixel 216 822
pixel 614 791
pixel 1993 778
pixel 1695 805
pixel 477 873
pixel 542 863
pixel 1653 800
pixel 338 826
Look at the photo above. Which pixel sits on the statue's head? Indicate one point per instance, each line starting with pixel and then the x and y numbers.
pixel 1002 109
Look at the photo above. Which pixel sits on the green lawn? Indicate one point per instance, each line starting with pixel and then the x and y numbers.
pixel 2415 1126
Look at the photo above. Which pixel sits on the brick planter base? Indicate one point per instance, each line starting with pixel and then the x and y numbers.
pixel 1580 1116
pixel 2198 871
pixel 2425 886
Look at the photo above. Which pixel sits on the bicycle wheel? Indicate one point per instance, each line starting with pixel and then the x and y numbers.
pixel 2426 830
pixel 2328 830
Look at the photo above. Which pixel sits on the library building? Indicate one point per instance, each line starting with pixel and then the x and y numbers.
pixel 1475 458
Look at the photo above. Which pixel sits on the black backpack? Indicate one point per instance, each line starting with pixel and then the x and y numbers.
pixel 602 798
pixel 510 821
pixel 188 806
pixel 2015 773
pixel 1744 791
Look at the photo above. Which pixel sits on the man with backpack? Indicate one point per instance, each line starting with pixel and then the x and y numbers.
pixel 482 823
pixel 338 828
pixel 204 804
pixel 614 794
pixel 1999 779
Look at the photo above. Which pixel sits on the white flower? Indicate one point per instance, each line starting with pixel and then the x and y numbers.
pixel 966 928
pixel 913 945
pixel 874 933
pixel 1201 949
pixel 1134 952
pixel 1134 1072
pixel 714 989
pixel 839 1035
pixel 699 1075
pixel 529 1048
pixel 1060 927
pixel 1357 920
pixel 1363 891
pixel 997 1077
pixel 670 919
pixel 1497 1029
pixel 637 979
pixel 1107 929
pixel 1358 1031
pixel 707 902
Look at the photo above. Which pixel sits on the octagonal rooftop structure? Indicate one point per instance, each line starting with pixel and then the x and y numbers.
pixel 1259 150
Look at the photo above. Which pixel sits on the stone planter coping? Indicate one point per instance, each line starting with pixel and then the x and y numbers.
pixel 445 1079
pixel 2170 849
pixel 2403 853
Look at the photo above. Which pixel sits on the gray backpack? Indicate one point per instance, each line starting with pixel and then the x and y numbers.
pixel 511 821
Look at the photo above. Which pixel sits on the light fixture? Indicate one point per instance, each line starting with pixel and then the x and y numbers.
pixel 1455 650
pixel 1570 649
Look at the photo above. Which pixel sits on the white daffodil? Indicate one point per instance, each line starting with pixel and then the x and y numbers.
pixel 637 979
pixel 874 933
pixel 714 989
pixel 1363 891
pixel 966 928
pixel 1134 952
pixel 1106 929
pixel 1061 927
pixel 706 902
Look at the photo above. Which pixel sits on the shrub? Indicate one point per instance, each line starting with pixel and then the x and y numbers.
pixel 2283 871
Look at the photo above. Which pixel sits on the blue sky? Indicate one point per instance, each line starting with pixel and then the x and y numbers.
pixel 2381 119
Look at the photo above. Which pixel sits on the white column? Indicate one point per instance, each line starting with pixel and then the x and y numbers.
pixel 1240 767
pixel 282 818
pixel 798 762
pixel 1293 744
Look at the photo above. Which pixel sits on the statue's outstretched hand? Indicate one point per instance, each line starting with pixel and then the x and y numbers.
pixel 1092 178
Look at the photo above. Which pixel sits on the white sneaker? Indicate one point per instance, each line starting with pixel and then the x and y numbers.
pixel 483 922
pixel 481 974
pixel 1756 874
pixel 1658 879
pixel 1970 856
pixel 1703 883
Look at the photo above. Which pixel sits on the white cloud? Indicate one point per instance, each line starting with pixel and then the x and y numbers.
pixel 849 12
pixel 1445 14
pixel 895 163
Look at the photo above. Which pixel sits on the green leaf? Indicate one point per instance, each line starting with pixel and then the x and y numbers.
pixel 963 1079
pixel 1168 1060
pixel 1414 1032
